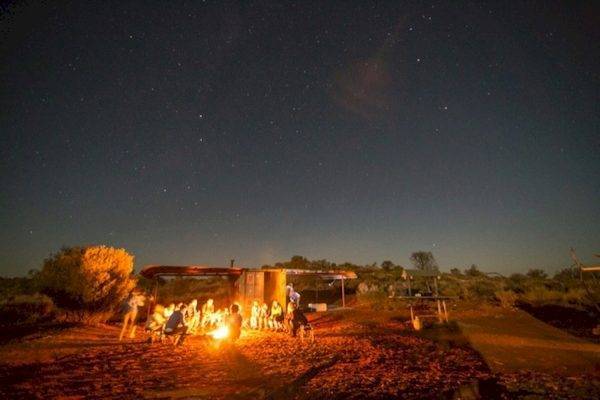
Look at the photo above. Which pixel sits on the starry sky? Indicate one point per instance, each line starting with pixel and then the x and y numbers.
pixel 193 132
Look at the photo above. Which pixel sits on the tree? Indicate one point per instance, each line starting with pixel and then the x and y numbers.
pixel 473 271
pixel 387 265
pixel 423 260
pixel 88 282
pixel 537 273
pixel 298 262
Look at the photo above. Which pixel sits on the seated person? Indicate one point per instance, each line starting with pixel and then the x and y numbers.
pixel 225 313
pixel 298 319
pixel 208 309
pixel 263 317
pixel 217 318
pixel 157 319
pixel 169 311
pixel 175 325
pixel 192 316
pixel 254 315
pixel 276 317
pixel 234 322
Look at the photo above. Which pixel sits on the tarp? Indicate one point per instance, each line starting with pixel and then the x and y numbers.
pixel 321 274
pixel 152 271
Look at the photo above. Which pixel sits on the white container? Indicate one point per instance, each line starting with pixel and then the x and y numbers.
pixel 318 307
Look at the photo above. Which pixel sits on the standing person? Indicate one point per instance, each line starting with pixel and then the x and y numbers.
pixel 298 319
pixel 289 289
pixel 130 313
pixel 234 322
pixel 295 298
pixel 176 324
pixel 292 294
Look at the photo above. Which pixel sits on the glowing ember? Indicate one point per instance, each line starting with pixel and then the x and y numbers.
pixel 220 333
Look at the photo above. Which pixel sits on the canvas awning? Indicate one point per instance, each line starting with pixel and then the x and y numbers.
pixel 337 275
pixel 152 271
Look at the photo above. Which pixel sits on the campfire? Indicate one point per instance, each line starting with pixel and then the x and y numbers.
pixel 219 333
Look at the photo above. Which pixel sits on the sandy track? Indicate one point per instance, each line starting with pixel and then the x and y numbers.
pixel 355 356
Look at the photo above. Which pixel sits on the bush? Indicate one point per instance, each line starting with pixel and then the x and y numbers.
pixel 537 273
pixel 540 295
pixel 482 290
pixel 26 309
pixel 506 298
pixel 89 283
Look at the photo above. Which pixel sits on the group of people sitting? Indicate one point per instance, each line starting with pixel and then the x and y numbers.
pixel 264 318
pixel 184 319
pixel 180 320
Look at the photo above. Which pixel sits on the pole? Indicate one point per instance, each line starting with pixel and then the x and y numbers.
pixel 343 294
pixel 445 310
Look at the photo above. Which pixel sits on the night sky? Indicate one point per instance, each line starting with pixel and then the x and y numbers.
pixel 195 132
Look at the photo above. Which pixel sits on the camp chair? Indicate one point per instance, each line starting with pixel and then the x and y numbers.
pixel 155 331
pixel 174 336
pixel 155 335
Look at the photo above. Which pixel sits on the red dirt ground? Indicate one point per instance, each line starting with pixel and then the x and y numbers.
pixel 356 356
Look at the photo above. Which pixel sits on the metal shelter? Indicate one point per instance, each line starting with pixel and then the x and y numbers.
pixel 157 271
pixel 247 284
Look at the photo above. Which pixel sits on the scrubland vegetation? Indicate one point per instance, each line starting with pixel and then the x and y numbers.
pixel 77 284
pixel 89 284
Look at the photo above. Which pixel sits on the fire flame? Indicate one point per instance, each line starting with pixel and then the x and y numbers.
pixel 220 333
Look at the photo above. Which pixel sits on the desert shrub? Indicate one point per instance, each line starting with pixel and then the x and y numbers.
pixel 539 295
pixel 473 271
pixel 11 287
pixel 506 298
pixel 24 309
pixel 537 273
pixel 482 290
pixel 452 285
pixel 518 283
pixel 88 283
pixel 379 301
pixel 576 297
